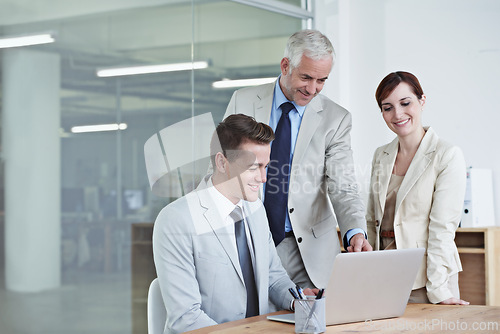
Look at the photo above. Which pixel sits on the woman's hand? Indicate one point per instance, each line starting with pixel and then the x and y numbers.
pixel 454 301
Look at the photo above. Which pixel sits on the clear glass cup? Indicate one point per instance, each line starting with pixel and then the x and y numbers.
pixel 310 315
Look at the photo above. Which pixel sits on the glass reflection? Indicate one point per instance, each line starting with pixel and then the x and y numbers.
pixel 106 204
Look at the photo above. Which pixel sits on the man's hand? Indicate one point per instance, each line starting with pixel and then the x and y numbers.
pixel 454 301
pixel 310 292
pixel 307 292
pixel 358 243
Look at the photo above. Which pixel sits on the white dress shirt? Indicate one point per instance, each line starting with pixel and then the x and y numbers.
pixel 225 207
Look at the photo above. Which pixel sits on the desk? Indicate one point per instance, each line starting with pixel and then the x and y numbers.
pixel 477 247
pixel 422 318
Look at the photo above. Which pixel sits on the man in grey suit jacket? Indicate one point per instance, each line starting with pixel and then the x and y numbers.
pixel 195 238
pixel 322 189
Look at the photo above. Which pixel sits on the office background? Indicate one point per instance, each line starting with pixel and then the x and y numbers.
pixel 70 198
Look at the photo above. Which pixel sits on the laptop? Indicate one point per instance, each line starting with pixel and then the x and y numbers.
pixel 368 286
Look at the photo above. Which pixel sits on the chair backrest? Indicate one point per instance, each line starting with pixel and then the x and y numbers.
pixel 157 314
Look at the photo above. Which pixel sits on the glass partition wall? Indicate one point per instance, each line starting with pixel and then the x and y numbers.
pixel 70 259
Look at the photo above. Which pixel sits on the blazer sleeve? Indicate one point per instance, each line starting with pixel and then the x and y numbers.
pixel 279 281
pixel 341 179
pixel 370 210
pixel 444 218
pixel 175 266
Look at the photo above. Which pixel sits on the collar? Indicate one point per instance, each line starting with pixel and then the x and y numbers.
pixel 224 205
pixel 280 98
pixel 427 145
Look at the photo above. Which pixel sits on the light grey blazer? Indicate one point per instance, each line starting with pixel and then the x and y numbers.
pixel 322 188
pixel 428 208
pixel 197 263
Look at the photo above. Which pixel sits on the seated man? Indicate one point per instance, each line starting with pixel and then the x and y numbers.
pixel 213 252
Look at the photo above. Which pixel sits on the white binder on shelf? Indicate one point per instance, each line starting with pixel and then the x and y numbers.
pixel 478 208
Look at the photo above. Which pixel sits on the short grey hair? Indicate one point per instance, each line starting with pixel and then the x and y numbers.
pixel 311 43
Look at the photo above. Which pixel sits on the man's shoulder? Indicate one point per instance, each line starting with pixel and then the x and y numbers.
pixel 177 204
pixel 178 212
pixel 255 90
pixel 173 208
pixel 330 107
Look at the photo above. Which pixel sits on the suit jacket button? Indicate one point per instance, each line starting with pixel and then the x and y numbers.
pixel 291 210
pixel 299 240
pixel 377 223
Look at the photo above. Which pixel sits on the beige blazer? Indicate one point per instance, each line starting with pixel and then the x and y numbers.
pixel 322 188
pixel 198 268
pixel 428 208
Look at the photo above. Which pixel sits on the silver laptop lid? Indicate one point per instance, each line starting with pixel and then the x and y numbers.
pixel 371 285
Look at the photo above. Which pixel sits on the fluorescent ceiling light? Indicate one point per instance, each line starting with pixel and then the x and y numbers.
pixel 15 41
pixel 98 128
pixel 120 71
pixel 226 83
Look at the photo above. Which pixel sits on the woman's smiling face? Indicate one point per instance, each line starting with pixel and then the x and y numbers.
pixel 402 110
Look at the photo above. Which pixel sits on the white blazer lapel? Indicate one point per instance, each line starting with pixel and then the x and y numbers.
pixel 310 122
pixel 216 223
pixel 264 103
pixel 260 249
pixel 386 164
pixel 418 165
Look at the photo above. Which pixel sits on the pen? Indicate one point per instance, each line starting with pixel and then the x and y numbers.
pixel 300 293
pixel 320 294
pixel 293 293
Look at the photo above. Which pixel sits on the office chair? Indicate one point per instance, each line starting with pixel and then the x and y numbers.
pixel 157 314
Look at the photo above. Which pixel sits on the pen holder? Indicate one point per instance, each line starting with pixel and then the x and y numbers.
pixel 310 315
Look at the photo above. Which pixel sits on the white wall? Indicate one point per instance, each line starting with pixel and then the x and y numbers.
pixel 452 46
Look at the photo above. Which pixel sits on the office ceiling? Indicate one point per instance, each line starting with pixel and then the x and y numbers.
pixel 238 41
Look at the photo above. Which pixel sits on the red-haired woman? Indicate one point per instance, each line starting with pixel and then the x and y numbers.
pixel 417 191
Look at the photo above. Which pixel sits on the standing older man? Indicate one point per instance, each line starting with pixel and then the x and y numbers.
pixel 311 183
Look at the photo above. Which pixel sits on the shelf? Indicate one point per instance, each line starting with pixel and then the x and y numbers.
pixel 463 250
pixel 472 229
pixel 480 279
pixel 140 300
pixel 146 243
pixel 143 272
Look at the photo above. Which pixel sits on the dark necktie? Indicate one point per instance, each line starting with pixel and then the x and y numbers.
pixel 278 171
pixel 245 263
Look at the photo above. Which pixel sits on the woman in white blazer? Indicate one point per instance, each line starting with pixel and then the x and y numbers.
pixel 417 191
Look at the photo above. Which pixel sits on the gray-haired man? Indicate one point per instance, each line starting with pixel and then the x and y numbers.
pixel 310 181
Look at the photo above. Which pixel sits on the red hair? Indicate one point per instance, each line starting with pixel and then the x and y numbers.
pixel 392 80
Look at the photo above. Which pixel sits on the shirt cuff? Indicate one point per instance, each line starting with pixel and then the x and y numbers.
pixel 351 233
